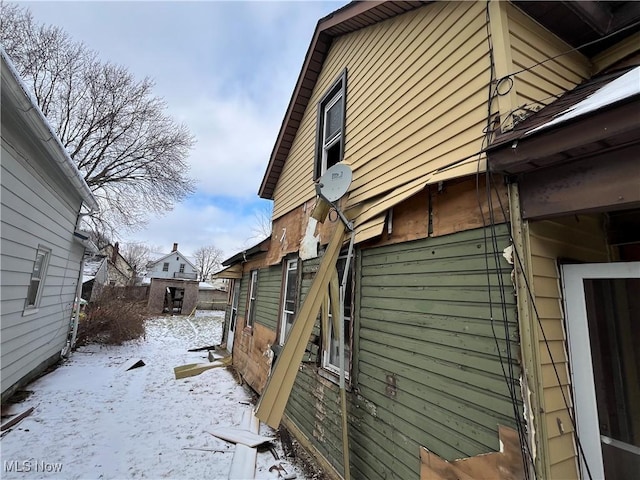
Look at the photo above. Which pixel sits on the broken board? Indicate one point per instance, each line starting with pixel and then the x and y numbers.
pixel 192 369
pixel 240 436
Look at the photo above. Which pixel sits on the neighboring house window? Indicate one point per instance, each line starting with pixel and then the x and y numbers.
pixel 289 296
pixel 253 292
pixel 165 267
pixel 330 126
pixel 330 353
pixel 182 267
pixel 37 277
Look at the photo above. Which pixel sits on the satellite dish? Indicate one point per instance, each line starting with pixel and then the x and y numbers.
pixel 335 182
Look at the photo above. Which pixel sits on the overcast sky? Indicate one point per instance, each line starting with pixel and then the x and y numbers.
pixel 227 70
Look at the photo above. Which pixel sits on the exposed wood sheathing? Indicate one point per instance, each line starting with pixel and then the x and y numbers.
pixel 576 238
pixel 276 393
pixel 504 465
pixel 411 65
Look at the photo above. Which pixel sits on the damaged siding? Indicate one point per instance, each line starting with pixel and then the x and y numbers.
pixel 427 357
pixel 427 370
pixel 412 65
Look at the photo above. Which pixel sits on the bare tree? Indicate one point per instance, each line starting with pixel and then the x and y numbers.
pixel 130 152
pixel 261 228
pixel 208 261
pixel 137 255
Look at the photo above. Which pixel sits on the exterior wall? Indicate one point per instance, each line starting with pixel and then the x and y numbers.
pixel 174 260
pixel 426 368
pixel 413 65
pixel 37 208
pixel 531 44
pixel 158 289
pixel 578 238
pixel 212 299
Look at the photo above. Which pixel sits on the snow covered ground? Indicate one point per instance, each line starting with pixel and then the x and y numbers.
pixel 93 419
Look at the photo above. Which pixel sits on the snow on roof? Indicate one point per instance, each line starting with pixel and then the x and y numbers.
pixel 91 267
pixel 621 88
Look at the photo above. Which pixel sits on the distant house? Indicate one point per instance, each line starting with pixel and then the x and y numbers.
pixel 172 265
pixel 120 273
pixel 42 250
pixel 95 277
pixel 173 284
pixel 464 280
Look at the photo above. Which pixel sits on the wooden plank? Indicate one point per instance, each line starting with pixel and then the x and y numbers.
pixel 193 369
pixel 240 435
pixel 276 393
pixel 15 420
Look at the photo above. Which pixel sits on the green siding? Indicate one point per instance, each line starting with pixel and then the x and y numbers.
pixel 423 317
pixel 244 292
pixel 268 299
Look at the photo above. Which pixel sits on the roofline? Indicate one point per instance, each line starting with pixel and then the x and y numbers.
pixel 260 247
pixel 154 262
pixel 351 17
pixel 37 120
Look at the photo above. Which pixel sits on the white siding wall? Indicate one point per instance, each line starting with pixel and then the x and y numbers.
pixel 38 208
pixel 174 260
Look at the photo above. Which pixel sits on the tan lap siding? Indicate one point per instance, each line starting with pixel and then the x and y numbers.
pixel 575 238
pixel 401 73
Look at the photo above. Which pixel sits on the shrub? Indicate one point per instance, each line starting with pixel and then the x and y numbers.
pixel 112 319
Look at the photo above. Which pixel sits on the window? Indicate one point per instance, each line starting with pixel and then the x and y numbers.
pixel 165 267
pixel 37 277
pixel 330 353
pixel 330 126
pixel 253 292
pixel 289 297
pixel 182 265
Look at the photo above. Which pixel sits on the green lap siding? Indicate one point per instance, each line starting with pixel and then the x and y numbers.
pixel 244 291
pixel 268 299
pixel 430 319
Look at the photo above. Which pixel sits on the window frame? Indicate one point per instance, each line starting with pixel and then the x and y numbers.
pixel 165 266
pixel 251 301
pixel 337 90
pixel 45 252
pixel 325 363
pixel 283 331
pixel 182 267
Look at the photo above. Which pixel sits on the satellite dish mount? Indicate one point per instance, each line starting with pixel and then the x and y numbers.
pixel 332 186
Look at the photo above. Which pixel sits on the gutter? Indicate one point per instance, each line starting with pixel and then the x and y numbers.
pixel 53 145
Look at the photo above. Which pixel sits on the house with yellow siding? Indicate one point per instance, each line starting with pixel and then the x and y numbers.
pixel 425 335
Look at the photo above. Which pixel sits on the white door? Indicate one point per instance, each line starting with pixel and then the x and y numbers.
pixel 602 303
pixel 234 315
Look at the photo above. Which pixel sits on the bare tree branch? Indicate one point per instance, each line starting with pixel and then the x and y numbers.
pixel 131 153
pixel 208 261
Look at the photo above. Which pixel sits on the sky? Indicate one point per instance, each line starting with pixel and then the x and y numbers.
pixel 225 69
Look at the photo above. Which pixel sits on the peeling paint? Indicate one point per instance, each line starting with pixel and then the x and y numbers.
pixel 309 242
pixel 368 406
pixel 507 253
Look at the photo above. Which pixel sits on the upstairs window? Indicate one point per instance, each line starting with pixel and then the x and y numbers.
pixel 37 277
pixel 165 267
pixel 330 126
pixel 253 292
pixel 182 265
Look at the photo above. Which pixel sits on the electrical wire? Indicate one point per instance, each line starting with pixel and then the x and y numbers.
pixel 508 377
pixel 546 342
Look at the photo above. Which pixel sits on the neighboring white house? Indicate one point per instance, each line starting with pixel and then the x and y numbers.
pixel 41 249
pixel 172 265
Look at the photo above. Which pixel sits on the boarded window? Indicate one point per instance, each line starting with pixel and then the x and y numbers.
pixel 37 277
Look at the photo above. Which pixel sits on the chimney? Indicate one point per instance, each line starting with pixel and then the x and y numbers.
pixel 175 247
pixel 114 254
